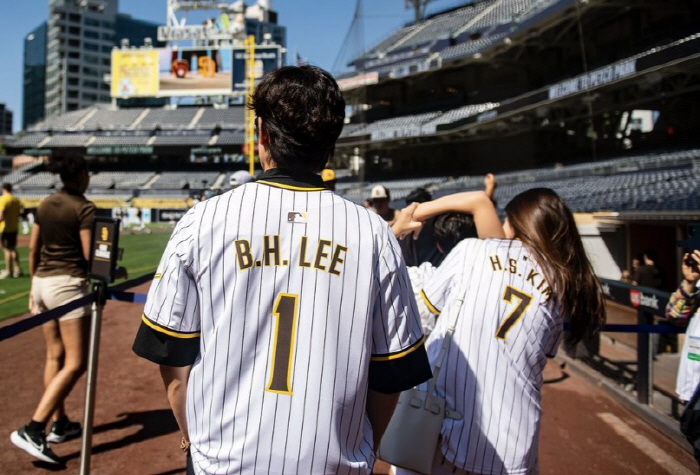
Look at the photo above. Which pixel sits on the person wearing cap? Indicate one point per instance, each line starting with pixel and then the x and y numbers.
pixel 380 202
pixel 241 177
pixel 328 177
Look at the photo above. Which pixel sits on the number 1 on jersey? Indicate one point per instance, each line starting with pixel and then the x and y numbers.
pixel 286 308
pixel 517 313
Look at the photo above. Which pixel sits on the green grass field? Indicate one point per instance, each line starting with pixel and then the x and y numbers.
pixel 141 255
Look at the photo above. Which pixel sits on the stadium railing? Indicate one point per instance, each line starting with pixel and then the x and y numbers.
pixel 649 303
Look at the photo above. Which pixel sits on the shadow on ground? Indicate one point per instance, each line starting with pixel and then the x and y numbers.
pixel 153 424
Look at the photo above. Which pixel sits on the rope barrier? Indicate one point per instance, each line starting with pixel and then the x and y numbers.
pixel 114 293
pixel 36 320
pixel 118 293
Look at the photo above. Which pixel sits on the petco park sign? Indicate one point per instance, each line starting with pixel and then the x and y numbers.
pixel 594 79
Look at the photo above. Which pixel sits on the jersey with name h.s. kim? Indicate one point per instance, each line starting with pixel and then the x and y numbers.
pixel 289 302
pixel 492 374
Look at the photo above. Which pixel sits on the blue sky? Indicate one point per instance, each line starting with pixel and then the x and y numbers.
pixel 315 28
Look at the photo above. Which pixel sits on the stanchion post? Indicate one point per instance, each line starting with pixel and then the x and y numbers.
pixel 99 288
pixel 104 253
pixel 645 359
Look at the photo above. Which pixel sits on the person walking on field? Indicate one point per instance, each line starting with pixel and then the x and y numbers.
pixel 10 208
pixel 281 315
pixel 59 250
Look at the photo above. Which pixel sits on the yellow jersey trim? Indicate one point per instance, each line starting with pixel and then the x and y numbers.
pixel 428 304
pixel 290 187
pixel 400 354
pixel 172 333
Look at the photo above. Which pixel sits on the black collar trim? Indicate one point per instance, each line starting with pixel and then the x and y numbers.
pixel 291 180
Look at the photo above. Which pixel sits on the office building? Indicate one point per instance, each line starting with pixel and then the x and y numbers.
pixel 5 120
pixel 80 38
pixel 135 31
pixel 34 76
pixel 67 58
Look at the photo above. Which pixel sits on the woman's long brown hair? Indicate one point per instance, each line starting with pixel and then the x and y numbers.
pixel 543 222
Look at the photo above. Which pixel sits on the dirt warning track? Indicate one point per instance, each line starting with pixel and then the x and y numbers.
pixel 583 430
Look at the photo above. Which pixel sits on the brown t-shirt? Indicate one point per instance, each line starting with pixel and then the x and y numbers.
pixel 60 217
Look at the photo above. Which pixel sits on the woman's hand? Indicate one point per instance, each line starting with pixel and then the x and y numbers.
pixel 490 184
pixel 405 224
pixel 32 308
pixel 121 273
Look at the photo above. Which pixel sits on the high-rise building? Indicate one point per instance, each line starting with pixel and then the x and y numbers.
pixel 261 20
pixel 80 38
pixel 135 31
pixel 5 120
pixel 67 58
pixel 34 76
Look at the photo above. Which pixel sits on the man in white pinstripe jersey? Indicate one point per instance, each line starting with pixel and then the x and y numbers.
pixel 282 317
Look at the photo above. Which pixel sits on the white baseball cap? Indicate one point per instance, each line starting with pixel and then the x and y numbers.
pixel 379 192
pixel 240 177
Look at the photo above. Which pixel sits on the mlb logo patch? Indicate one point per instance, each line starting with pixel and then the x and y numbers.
pixel 635 298
pixel 297 217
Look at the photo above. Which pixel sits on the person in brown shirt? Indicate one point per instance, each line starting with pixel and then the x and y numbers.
pixel 58 256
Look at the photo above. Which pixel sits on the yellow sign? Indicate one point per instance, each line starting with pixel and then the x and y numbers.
pixel 134 73
pixel 105 233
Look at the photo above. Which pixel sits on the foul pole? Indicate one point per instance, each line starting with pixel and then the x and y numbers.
pixel 249 113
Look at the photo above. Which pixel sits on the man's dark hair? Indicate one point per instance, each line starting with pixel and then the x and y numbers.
pixel 419 195
pixel 652 254
pixel 302 112
pixel 7 187
pixel 450 228
pixel 68 166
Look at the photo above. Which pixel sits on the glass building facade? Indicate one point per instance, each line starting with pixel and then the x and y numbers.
pixel 34 73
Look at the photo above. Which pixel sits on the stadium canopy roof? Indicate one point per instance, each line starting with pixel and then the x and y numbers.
pixel 656 74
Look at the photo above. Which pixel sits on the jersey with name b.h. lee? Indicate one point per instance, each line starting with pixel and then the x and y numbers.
pixel 294 302
pixel 507 327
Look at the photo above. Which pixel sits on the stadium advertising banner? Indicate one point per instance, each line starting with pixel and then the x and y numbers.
pixel 170 215
pixel 194 72
pixel 360 80
pixel 267 58
pixel 596 78
pixel 164 72
pixel 134 73
pixel 120 150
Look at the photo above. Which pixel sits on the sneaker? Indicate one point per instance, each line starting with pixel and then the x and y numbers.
pixel 34 445
pixel 17 273
pixel 4 274
pixel 62 431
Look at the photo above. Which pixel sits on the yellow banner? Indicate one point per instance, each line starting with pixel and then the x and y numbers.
pixel 134 73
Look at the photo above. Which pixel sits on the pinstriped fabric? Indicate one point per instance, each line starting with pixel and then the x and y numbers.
pixel 172 299
pixel 353 298
pixel 494 382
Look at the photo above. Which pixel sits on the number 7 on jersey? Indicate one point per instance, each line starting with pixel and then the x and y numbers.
pixel 286 309
pixel 517 313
